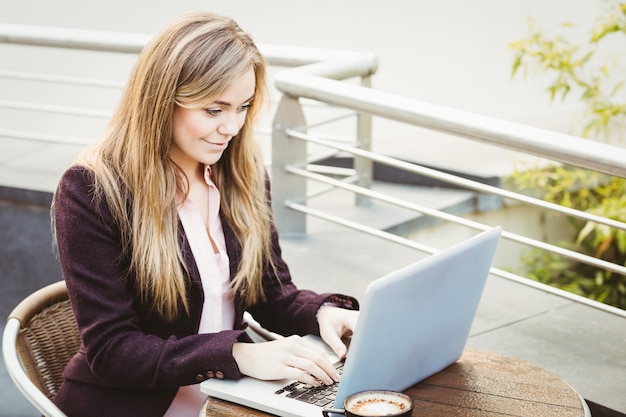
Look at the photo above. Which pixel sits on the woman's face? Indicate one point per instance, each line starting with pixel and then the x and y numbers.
pixel 200 135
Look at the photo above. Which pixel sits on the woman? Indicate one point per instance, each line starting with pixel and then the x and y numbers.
pixel 165 236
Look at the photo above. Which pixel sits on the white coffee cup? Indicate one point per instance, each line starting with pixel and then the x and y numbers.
pixel 374 403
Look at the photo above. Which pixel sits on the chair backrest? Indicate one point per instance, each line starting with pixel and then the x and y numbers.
pixel 41 331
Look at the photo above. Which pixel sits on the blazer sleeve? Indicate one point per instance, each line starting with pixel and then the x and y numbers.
pixel 118 347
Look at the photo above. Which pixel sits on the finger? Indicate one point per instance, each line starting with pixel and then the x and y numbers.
pixel 333 340
pixel 311 359
pixel 321 359
pixel 319 362
pixel 336 345
pixel 310 373
pixel 298 374
pixel 334 324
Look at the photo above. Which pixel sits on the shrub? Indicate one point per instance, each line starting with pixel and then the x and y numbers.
pixel 578 68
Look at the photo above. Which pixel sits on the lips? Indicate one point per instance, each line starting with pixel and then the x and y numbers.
pixel 219 145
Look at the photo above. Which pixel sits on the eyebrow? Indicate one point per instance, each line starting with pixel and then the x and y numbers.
pixel 225 103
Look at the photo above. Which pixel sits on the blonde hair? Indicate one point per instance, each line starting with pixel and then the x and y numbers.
pixel 193 60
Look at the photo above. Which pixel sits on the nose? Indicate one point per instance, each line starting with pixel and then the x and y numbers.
pixel 229 125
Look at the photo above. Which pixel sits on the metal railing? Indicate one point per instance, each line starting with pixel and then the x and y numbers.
pixel 326 78
pixel 290 134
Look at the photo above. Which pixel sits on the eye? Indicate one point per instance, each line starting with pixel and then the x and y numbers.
pixel 213 112
pixel 245 107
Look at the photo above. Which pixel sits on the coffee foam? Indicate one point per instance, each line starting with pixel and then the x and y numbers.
pixel 377 404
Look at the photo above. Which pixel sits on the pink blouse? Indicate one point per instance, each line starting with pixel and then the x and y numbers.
pixel 218 312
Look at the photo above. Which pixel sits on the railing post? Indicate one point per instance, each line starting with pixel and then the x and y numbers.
pixel 288 151
pixel 364 166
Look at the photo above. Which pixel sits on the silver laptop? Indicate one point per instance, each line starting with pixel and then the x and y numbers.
pixel 413 323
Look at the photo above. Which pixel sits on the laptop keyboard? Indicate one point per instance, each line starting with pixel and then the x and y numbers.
pixel 322 396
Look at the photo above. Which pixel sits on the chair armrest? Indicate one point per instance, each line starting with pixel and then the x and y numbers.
pixel 19 376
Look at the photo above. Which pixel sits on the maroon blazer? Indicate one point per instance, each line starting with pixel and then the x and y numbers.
pixel 131 362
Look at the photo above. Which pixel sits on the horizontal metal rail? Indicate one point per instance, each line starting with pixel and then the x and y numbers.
pixel 589 260
pixel 72 38
pixel 426 249
pixel 343 64
pixel 49 108
pixel 458 181
pixel 58 79
pixel 544 143
pixel 40 137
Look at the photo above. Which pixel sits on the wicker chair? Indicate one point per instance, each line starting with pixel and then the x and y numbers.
pixel 39 339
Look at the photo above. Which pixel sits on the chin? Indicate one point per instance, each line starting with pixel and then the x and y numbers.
pixel 212 159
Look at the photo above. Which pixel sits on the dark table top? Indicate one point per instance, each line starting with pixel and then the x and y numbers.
pixel 479 384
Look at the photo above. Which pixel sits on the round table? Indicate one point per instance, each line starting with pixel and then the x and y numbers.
pixel 479 384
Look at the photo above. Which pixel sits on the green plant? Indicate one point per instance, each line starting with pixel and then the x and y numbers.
pixel 576 67
pixel 595 193
pixel 581 68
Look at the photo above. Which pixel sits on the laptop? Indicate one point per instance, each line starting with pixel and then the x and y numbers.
pixel 413 323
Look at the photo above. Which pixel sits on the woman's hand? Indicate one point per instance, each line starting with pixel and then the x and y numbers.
pixel 288 358
pixel 336 323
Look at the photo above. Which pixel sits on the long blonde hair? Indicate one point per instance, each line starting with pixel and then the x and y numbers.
pixel 193 60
